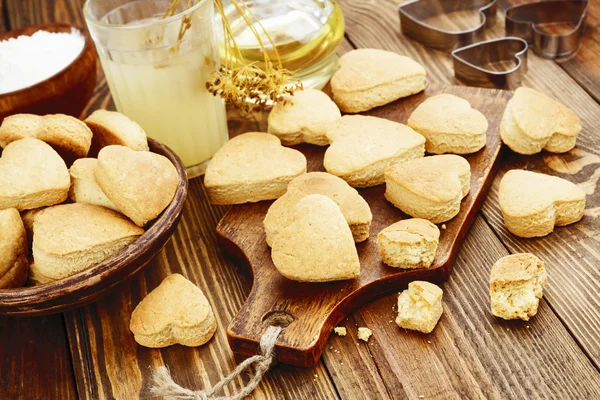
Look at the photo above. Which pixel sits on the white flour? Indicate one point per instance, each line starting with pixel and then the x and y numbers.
pixel 27 60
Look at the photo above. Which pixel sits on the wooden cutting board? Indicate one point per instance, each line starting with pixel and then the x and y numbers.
pixel 309 311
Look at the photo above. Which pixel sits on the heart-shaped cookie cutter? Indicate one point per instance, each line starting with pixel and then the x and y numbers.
pixel 413 15
pixel 524 21
pixel 470 62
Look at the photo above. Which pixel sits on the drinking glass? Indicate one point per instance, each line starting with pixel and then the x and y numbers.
pixel 158 80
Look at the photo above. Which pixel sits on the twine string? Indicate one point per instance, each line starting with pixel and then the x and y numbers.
pixel 165 386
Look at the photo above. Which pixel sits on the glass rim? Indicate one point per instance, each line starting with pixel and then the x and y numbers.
pixel 92 20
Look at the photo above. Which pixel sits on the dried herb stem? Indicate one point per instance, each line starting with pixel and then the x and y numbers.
pixel 244 85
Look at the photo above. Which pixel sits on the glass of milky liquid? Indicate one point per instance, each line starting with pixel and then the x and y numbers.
pixel 156 79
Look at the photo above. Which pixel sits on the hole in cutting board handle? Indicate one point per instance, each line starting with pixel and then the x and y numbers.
pixel 278 318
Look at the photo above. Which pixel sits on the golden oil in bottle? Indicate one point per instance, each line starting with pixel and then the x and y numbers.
pixel 306 34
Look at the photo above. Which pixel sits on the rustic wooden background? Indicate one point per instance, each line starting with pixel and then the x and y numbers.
pixel 89 353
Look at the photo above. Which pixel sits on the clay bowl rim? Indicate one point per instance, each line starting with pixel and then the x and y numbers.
pixel 40 294
pixel 87 46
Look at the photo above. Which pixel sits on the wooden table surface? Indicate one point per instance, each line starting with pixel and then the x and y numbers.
pixel 89 353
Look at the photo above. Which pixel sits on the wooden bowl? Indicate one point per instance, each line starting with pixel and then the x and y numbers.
pixel 89 285
pixel 66 92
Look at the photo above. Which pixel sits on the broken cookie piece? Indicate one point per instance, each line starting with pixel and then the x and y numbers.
pixel 516 286
pixel 409 244
pixel 364 334
pixel 420 307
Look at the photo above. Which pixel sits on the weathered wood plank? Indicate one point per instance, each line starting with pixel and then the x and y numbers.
pixel 376 25
pixel 103 348
pixel 572 253
pixel 4 23
pixel 472 354
pixel 34 359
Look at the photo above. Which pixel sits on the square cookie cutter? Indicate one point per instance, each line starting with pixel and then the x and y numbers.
pixel 524 21
pixel 471 63
pixel 413 15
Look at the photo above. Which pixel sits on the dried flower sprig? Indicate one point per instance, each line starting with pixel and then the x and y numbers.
pixel 244 85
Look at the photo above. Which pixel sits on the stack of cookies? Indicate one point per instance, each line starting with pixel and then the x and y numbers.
pixel 57 221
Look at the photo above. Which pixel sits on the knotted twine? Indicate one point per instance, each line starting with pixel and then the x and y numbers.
pixel 165 386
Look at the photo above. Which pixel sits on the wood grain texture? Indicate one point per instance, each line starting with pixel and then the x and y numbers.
pixel 104 350
pixel 35 361
pixel 472 354
pixel 577 303
pixel 316 308
pixel 391 368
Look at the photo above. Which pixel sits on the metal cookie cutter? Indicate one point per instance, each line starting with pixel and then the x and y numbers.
pixel 526 20
pixel 472 63
pixel 413 15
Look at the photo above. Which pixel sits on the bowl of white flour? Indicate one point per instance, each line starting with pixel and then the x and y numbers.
pixel 46 69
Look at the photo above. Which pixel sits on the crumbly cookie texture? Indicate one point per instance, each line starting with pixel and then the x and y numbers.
pixel 368 78
pixel 84 188
pixel 14 250
pixel 533 122
pixel 354 208
pixel 70 137
pixel 420 307
pixel 516 286
pixel 340 331
pixel 430 188
pixel 364 334
pixel 362 147
pixel 303 117
pixel 176 312
pixel 114 128
pixel 32 175
pixel 88 235
pixel 450 125
pixel 409 244
pixel 533 204
pixel 252 167
pixel 317 246
pixel 140 184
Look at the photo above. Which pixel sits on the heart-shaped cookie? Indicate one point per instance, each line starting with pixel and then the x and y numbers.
pixel 317 246
pixel 430 188
pixel 70 137
pixel 84 188
pixel 533 203
pixel 533 122
pixel 449 125
pixel 363 147
pixel 140 183
pixel 14 250
pixel 369 78
pixel 354 208
pixel 32 175
pixel 303 117
pixel 176 312
pixel 250 168
pixel 70 238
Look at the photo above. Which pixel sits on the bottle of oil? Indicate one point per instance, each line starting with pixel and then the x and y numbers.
pixel 306 34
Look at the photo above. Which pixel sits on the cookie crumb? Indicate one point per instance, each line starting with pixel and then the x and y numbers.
pixel 443 226
pixel 340 331
pixel 364 334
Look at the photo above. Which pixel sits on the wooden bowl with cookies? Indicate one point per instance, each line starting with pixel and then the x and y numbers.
pixel 63 88
pixel 69 235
